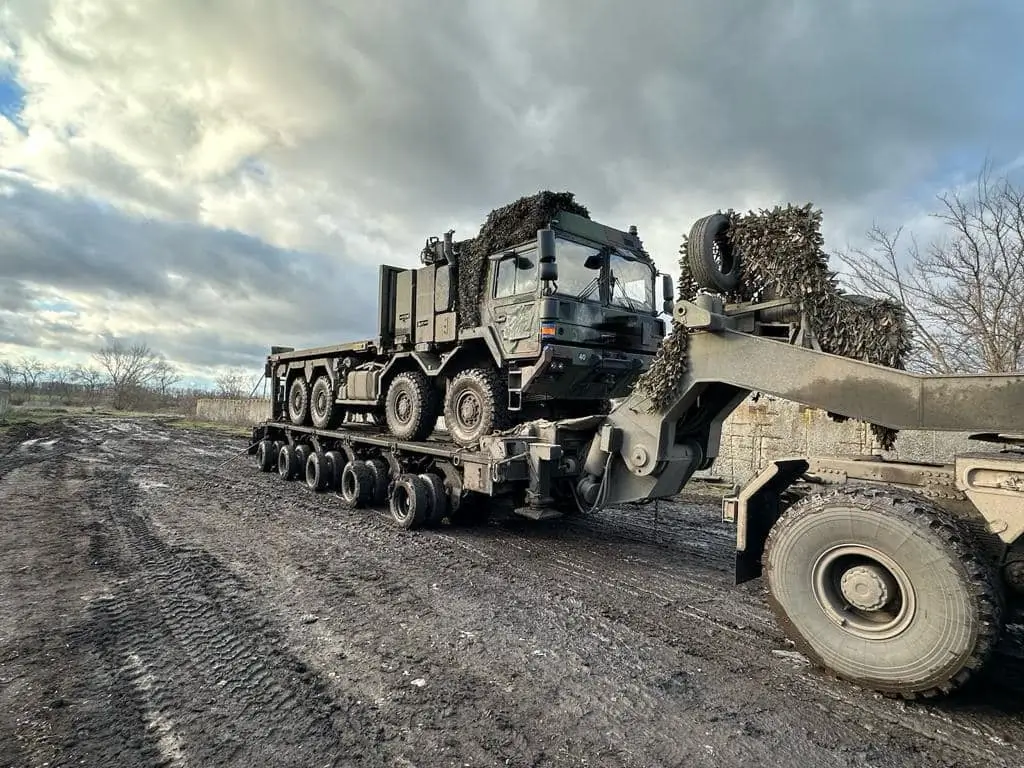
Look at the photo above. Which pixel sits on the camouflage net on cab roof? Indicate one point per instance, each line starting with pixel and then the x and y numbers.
pixel 781 255
pixel 505 227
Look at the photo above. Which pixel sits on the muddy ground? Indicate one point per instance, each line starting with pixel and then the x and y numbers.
pixel 157 610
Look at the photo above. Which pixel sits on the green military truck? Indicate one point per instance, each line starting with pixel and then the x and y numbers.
pixel 551 325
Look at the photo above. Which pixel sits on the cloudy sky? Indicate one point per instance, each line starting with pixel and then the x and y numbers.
pixel 217 177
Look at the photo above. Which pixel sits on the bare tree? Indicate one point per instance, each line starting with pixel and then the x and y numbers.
pixel 87 377
pixel 165 377
pixel 964 292
pixel 231 384
pixel 130 369
pixel 8 373
pixel 30 369
pixel 61 379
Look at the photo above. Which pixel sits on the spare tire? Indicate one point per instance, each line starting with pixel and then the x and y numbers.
pixel 713 262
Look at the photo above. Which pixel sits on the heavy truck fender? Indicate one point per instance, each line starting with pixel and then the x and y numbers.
pixel 756 508
pixel 434 364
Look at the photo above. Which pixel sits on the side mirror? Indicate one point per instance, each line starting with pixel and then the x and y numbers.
pixel 548 271
pixel 546 252
pixel 668 294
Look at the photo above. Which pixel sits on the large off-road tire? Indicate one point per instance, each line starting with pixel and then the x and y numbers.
pixel 288 462
pixel 410 501
pixel 475 405
pixel 318 475
pixel 357 485
pixel 883 589
pixel 324 412
pixel 713 262
pixel 411 407
pixel 266 456
pixel 298 401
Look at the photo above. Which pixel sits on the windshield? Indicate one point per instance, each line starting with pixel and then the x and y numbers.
pixel 632 284
pixel 576 277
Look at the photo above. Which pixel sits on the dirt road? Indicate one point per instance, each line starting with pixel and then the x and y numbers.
pixel 156 612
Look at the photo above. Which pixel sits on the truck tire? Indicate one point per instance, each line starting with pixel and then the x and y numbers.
pixel 411 406
pixel 356 487
pixel 317 472
pixel 475 405
pixel 883 589
pixel 713 262
pixel 381 478
pixel 302 454
pixel 335 462
pixel 323 411
pixel 266 458
pixel 288 462
pixel 298 401
pixel 438 498
pixel 410 501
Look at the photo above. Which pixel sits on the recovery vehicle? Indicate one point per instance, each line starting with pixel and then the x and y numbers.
pixel 895 575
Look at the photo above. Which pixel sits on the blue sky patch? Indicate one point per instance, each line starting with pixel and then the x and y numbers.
pixel 12 98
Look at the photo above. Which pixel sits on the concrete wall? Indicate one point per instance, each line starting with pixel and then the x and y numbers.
pixel 758 432
pixel 240 411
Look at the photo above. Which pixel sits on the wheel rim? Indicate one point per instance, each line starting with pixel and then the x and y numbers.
pixel 403 503
pixel 864 591
pixel 348 485
pixel 469 410
pixel 320 404
pixel 403 407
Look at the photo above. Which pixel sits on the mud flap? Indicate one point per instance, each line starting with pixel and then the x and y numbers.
pixel 755 509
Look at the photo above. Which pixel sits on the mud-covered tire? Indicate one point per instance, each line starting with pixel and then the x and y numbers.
pixel 323 411
pixel 438 498
pixel 475 405
pixel 335 462
pixel 830 561
pixel 381 478
pixel 714 263
pixel 411 408
pixel 409 501
pixel 317 473
pixel 356 486
pixel 298 401
pixel 288 462
pixel 266 456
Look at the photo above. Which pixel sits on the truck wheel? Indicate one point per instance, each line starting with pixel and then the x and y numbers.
pixel 335 461
pixel 438 497
pixel 356 489
pixel 410 501
pixel 884 590
pixel 411 406
pixel 317 472
pixel 302 453
pixel 476 404
pixel 266 459
pixel 298 401
pixel 288 462
pixel 381 478
pixel 324 412
pixel 713 262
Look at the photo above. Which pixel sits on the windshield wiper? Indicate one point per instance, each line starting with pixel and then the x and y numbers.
pixel 588 290
pixel 629 302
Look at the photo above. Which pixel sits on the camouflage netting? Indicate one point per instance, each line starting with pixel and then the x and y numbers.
pixel 781 255
pixel 505 227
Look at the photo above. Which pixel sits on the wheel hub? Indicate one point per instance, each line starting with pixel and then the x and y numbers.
pixel 403 407
pixel 469 409
pixel 868 587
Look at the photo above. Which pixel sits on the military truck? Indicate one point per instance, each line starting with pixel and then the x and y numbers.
pixel 552 327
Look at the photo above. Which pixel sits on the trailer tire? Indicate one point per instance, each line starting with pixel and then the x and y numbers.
pixel 438 498
pixel 410 501
pixel 266 458
pixel 335 461
pixel 324 412
pixel 381 478
pixel 475 405
pixel 356 487
pixel 302 452
pixel 411 408
pixel 317 473
pixel 714 264
pixel 288 462
pixel 298 401
pixel 830 562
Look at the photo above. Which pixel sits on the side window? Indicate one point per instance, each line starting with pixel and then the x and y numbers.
pixel 515 275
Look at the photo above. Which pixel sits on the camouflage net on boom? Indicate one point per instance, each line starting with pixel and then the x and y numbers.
pixel 505 227
pixel 781 255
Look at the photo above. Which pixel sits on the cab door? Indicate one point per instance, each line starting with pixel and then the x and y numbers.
pixel 511 303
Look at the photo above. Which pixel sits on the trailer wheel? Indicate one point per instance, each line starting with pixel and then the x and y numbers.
pixel 713 262
pixel 356 488
pixel 302 453
pixel 883 589
pixel 324 412
pixel 266 459
pixel 288 462
pixel 476 404
pixel 335 461
pixel 438 497
pixel 317 472
pixel 298 401
pixel 381 478
pixel 410 501
pixel 411 406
